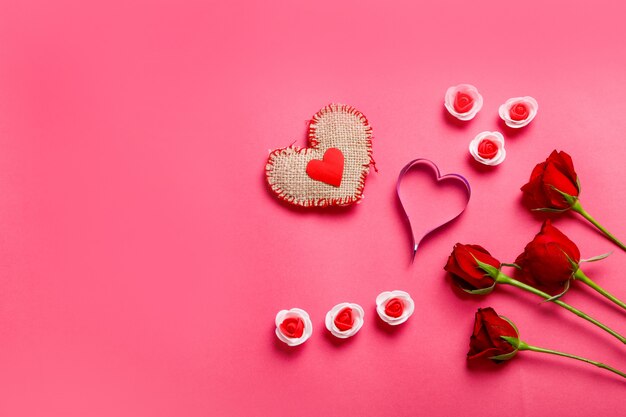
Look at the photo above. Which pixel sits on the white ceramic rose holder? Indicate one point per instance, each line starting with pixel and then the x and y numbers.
pixel 344 320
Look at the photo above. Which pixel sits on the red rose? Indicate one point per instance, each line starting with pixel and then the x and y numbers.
pixel 496 338
pixel 486 340
pixel 548 180
pixel 464 269
pixel 547 259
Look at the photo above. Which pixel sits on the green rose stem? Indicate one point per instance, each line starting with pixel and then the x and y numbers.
pixel 578 208
pixel 580 276
pixel 504 279
pixel 523 346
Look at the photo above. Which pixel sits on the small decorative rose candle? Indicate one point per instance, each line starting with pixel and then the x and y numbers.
pixel 344 320
pixel 293 327
pixel 394 307
pixel 488 148
pixel 463 101
pixel 518 111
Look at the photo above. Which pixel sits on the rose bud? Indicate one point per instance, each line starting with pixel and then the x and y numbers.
pixel 488 148
pixel 463 101
pixel 519 111
pixel 293 327
pixel 465 271
pixel 496 337
pixel 344 320
pixel 549 260
pixel 486 340
pixel 553 184
pixel 394 307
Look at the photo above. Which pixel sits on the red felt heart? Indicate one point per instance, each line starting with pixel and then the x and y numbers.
pixel 329 170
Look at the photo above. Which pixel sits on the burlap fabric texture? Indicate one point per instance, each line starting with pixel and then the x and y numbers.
pixel 335 126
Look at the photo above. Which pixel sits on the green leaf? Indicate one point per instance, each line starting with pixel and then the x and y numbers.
pixel 516 266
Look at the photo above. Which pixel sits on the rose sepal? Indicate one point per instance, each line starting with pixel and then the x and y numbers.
pixel 513 341
pixel 480 291
pixel 598 257
pixel 491 270
pixel 504 357
pixel 566 288
pixel 573 263
pixel 550 210
pixel 570 199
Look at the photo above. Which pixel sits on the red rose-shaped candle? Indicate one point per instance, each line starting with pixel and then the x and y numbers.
pixel 394 307
pixel 518 111
pixel 463 101
pixel 293 327
pixel 344 320
pixel 488 148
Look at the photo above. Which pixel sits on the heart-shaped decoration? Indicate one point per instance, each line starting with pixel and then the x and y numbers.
pixel 331 171
pixel 420 228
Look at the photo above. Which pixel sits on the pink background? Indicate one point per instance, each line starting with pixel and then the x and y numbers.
pixel 142 259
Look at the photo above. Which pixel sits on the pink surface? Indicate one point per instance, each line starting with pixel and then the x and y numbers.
pixel 142 259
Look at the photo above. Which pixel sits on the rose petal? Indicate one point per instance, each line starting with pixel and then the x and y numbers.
pixel 383 296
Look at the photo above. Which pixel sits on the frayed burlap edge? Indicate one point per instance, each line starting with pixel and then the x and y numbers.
pixel 313 143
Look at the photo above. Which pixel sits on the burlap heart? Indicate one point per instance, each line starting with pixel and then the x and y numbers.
pixel 332 170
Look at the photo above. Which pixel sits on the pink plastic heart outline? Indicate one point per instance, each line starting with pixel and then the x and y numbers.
pixel 439 178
